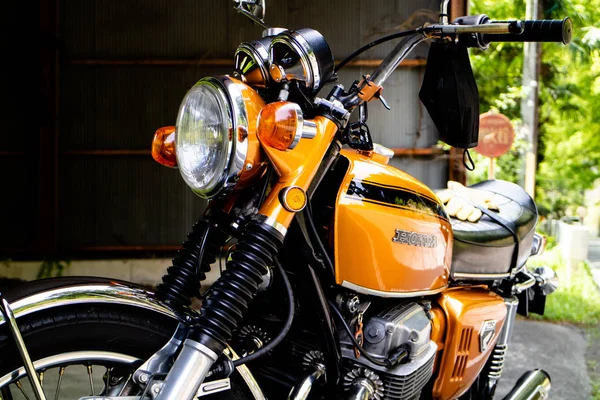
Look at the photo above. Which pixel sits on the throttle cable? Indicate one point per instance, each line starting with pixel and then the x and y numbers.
pixel 372 44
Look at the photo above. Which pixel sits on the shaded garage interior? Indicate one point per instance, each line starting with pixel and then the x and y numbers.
pixel 112 72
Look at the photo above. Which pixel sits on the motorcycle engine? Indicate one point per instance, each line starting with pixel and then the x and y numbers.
pixel 407 326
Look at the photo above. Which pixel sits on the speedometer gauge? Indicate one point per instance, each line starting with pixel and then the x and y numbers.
pixel 303 56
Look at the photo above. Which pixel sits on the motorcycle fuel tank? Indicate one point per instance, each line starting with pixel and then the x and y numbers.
pixel 392 237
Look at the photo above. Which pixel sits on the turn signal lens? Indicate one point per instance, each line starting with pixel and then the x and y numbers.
pixel 163 146
pixel 280 125
pixel 293 198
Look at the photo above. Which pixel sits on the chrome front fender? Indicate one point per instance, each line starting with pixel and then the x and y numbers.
pixel 98 290
pixel 59 292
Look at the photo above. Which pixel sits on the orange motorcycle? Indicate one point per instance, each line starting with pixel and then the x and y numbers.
pixel 344 277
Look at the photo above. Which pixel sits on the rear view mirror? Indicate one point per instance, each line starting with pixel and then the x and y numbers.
pixel 253 9
pixel 450 94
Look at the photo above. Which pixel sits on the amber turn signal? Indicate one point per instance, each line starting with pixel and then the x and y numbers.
pixel 280 125
pixel 163 146
pixel 293 198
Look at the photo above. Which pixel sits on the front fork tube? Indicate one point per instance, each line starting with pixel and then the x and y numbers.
pixel 233 292
pixel 188 372
pixel 222 310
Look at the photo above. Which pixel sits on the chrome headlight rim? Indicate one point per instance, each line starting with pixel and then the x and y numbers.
pixel 237 143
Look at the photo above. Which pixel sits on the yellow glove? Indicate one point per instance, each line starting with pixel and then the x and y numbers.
pixel 456 201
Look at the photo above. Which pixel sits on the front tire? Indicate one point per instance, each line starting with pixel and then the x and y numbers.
pixel 122 331
pixel 119 330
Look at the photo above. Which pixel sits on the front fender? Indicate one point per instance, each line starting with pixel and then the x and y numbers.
pixel 43 294
pixel 57 292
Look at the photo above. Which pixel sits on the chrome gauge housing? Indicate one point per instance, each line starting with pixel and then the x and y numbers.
pixel 252 62
pixel 301 55
pixel 211 136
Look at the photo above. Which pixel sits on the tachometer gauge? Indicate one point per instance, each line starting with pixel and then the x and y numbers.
pixel 252 62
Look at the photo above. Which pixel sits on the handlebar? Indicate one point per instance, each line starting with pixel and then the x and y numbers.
pixel 539 30
pixel 543 30
pixel 472 31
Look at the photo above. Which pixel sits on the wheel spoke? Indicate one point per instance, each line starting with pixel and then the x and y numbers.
pixel 106 381
pixel 61 372
pixel 20 386
pixel 5 393
pixel 89 369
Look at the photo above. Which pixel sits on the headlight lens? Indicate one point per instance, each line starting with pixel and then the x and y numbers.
pixel 203 138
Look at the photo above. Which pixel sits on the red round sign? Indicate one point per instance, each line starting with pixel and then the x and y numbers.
pixel 496 134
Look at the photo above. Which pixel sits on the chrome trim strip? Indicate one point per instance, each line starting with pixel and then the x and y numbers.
pixel 379 293
pixel 505 333
pixel 76 357
pixel 110 292
pixel 240 134
pixel 283 198
pixel 272 222
pixel 299 126
pixel 462 275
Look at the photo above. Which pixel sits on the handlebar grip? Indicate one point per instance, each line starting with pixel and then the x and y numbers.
pixel 540 30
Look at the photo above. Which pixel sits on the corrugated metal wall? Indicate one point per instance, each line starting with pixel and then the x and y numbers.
pixel 110 193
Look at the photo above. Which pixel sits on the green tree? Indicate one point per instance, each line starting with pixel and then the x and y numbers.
pixel 569 148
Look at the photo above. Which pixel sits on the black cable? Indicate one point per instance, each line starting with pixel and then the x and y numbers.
pixel 264 188
pixel 311 224
pixel 372 44
pixel 286 327
pixel 467 156
pixel 387 363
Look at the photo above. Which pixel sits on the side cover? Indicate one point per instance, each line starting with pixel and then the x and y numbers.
pixel 392 237
pixel 473 318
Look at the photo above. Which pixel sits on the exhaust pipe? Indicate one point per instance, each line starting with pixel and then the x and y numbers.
pixel 532 385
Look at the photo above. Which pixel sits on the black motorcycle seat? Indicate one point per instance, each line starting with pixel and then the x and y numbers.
pixel 485 249
pixel 516 207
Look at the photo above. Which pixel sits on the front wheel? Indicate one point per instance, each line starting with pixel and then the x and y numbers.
pixel 87 350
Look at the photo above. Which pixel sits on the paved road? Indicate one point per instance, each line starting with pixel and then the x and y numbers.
pixel 557 349
pixel 594 259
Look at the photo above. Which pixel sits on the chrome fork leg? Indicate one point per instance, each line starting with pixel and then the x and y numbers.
pixel 14 330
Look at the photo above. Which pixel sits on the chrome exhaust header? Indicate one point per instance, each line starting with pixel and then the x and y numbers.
pixel 532 385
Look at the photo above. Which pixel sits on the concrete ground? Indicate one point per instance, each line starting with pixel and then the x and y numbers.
pixel 594 259
pixel 557 349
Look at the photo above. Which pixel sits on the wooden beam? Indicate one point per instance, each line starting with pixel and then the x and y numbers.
pixel 107 152
pixel 149 248
pixel 219 62
pixel 418 152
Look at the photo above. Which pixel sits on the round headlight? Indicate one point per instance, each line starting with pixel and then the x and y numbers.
pixel 211 133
